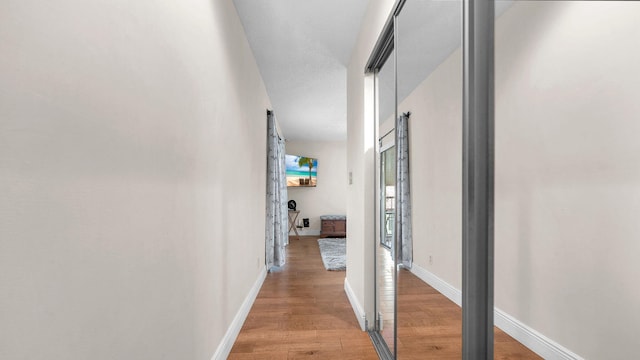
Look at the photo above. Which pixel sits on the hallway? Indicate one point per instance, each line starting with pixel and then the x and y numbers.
pixel 302 312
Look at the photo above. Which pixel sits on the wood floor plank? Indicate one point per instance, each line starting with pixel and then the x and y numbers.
pixel 302 312
pixel 430 325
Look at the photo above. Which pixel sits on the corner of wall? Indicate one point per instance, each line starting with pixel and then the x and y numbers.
pixel 355 304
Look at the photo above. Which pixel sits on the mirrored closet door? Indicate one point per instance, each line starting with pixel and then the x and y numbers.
pixel 429 86
pixel 385 287
pixel 434 261
pixel 419 232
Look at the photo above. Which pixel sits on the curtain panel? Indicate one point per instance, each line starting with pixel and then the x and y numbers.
pixel 403 193
pixel 277 232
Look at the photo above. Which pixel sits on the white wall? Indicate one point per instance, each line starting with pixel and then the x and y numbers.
pixel 567 180
pixel 122 200
pixel 360 160
pixel 567 174
pixel 330 195
pixel 435 139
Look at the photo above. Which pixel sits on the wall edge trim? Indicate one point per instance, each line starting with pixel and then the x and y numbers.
pixel 532 339
pixel 357 307
pixel 446 289
pixel 302 232
pixel 224 348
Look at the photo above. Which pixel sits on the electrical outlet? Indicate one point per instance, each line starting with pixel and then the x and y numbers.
pixel 430 260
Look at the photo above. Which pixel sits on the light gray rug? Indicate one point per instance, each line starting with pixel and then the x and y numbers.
pixel 334 253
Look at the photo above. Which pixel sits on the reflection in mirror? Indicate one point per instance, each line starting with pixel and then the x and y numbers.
pixel 385 264
pixel 428 33
pixel 387 194
pixel 385 249
pixel 429 80
pixel 430 88
pixel 386 92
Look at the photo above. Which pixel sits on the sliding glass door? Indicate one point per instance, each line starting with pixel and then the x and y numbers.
pixel 387 195
pixel 429 86
pixel 385 260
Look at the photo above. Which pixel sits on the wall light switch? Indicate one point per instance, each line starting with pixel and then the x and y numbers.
pixel 350 177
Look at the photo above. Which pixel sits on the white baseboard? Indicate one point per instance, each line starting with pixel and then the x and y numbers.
pixel 307 232
pixel 538 343
pixel 357 308
pixel 435 282
pixel 223 350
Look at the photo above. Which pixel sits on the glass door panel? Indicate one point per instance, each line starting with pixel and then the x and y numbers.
pixel 429 86
pixel 387 196
pixel 385 249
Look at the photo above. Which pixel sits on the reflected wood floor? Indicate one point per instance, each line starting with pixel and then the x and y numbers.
pixel 385 293
pixel 302 312
pixel 430 325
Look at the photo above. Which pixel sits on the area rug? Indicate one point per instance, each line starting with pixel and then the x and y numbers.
pixel 334 253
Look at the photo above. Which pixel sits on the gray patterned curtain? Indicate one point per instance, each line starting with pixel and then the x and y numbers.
pixel 277 233
pixel 403 193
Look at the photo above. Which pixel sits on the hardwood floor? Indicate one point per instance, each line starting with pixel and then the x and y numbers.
pixel 430 325
pixel 303 312
pixel 385 294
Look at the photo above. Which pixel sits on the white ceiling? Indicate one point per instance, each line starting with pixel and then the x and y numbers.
pixel 302 48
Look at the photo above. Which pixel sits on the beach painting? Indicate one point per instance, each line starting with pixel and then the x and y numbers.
pixel 301 170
